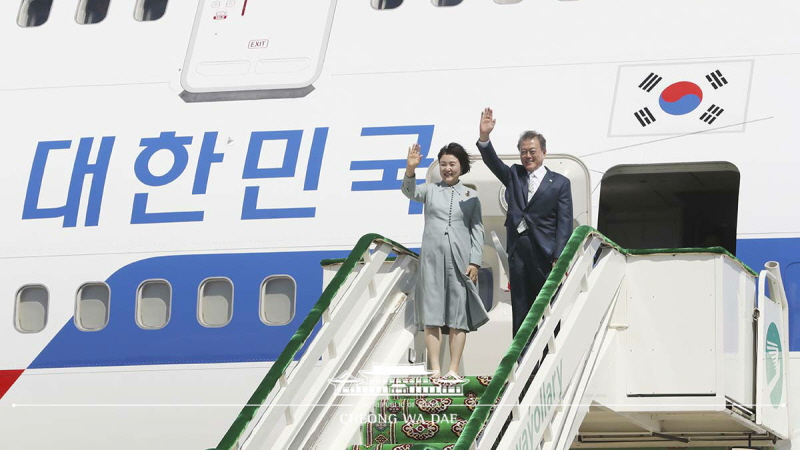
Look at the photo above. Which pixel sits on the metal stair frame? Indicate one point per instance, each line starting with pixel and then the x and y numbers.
pixel 348 328
pixel 588 292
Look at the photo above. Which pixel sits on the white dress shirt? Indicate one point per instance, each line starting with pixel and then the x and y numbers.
pixel 534 180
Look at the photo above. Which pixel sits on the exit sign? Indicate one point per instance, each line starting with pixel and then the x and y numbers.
pixel 260 43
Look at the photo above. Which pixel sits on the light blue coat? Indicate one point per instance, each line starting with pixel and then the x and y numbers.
pixel 452 239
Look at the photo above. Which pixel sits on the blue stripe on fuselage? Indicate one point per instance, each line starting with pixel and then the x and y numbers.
pixel 246 338
pixel 785 251
pixel 184 340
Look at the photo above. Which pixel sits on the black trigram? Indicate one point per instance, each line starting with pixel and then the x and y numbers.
pixel 645 117
pixel 711 114
pixel 650 82
pixel 716 79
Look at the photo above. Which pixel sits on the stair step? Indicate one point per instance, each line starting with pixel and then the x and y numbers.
pixel 425 446
pixel 412 431
pixel 426 407
pixel 470 385
pixel 422 413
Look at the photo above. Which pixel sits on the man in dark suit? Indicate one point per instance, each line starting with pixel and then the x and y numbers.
pixel 539 219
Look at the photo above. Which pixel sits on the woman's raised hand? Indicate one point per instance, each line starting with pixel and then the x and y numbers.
pixel 414 158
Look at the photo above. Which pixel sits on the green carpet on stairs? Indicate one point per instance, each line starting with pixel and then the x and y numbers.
pixel 403 447
pixel 424 415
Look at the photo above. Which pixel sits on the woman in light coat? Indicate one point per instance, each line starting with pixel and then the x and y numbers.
pixel 446 294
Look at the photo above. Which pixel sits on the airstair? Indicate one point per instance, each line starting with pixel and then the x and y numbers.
pixel 621 349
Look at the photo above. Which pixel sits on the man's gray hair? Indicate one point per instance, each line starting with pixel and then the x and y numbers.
pixel 530 134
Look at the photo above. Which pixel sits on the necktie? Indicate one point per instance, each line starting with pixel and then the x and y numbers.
pixel 532 185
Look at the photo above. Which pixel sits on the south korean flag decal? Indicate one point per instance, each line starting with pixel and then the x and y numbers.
pixel 671 99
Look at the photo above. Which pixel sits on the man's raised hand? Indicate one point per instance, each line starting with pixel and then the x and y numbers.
pixel 487 124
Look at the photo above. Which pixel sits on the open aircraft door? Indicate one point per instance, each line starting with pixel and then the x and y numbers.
pixel 492 193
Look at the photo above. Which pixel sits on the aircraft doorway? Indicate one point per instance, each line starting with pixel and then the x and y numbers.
pixel 670 205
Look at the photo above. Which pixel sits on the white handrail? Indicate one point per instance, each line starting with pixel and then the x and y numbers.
pixel 576 404
pixel 334 343
pixel 567 352
pixel 501 252
pixel 771 276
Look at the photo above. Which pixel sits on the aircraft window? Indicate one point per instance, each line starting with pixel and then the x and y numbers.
pixel 30 314
pixel 215 305
pixel 33 13
pixel 153 304
pixel 507 2
pixel 91 11
pixel 278 298
pixel 148 10
pixel 92 307
pixel 445 2
pixel 386 4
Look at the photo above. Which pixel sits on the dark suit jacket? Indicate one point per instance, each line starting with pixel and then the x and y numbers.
pixel 548 215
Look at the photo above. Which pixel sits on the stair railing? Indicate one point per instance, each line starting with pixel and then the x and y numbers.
pixel 772 352
pixel 563 302
pixel 585 249
pixel 347 291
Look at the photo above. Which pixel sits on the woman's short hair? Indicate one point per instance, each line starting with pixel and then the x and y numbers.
pixel 458 151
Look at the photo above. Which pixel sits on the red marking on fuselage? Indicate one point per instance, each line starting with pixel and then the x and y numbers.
pixel 7 379
pixel 244 7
